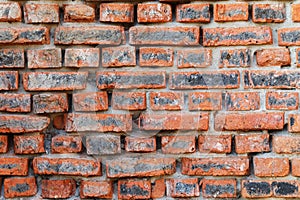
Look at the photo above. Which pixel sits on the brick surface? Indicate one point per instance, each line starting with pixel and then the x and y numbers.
pixel 288 36
pixel 9 80
pixel 282 100
pixel 214 143
pixel 79 13
pixel 252 143
pixel 118 56
pixel 183 188
pixel 235 58
pixel 58 188
pixel 268 12
pixel 44 58
pixel 256 189
pixel 205 101
pixel 156 57
pixel 10 12
pixel 134 189
pixel 13 166
pixel 90 101
pixel 50 102
pixel 29 144
pixel 273 57
pixel 235 101
pixel 87 57
pixel 271 167
pixel 3 143
pixel 156 12
pixel 231 12
pixel 41 13
pixel 103 144
pixel 129 100
pixel 198 12
pixel 96 189
pixel 224 188
pixel 15 102
pixel 158 188
pixel 178 144
pixel 166 100
pixel 66 144
pixel 194 58
pixel 135 144
pixel 19 187
pixel 294 123
pixel 116 12
pixel 295 12
pixel 12 58
pixel 286 144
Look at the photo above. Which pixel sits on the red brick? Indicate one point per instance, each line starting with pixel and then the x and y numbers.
pixel 216 166
pixel 236 36
pixel 53 81
pixel 178 144
pixel 189 58
pixel 235 58
pixel 31 144
pixel 92 35
pixel 19 187
pixel 23 123
pixel 268 12
pixel 10 12
pixel 271 167
pixel 288 36
pixel 12 58
pixel 87 57
pixel 298 57
pixel 286 189
pixel 116 12
pixel 67 166
pixel 44 58
pixel 231 12
pixel 140 167
pixel 158 189
pixel 198 12
pixel 50 102
pixel 79 13
pixel 295 12
pixel 3 143
pixel 138 144
pixel 159 35
pixel 98 122
pixel 249 121
pixel 294 123
pixel 154 12
pixel 156 57
pixel 59 121
pixel 166 100
pixel 131 80
pixel 13 166
pixel 205 101
pixel 66 144
pixel 96 189
pixel 41 13
pixel 103 144
pixel 282 100
pixel 118 56
pixel 256 188
pixel 286 144
pixel 235 101
pixel 134 189
pixel 174 121
pixel 252 143
pixel 273 57
pixel 56 189
pixel 9 80
pixel 219 188
pixel 295 167
pixel 15 102
pixel 214 143
pixel 90 101
pixel 129 100
pixel 204 80
pixel 183 188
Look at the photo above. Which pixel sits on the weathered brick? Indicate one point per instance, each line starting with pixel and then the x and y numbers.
pixel 12 58
pixel 53 81
pixel 3 143
pixel 41 13
pixel 231 12
pixel 79 13
pixel 282 100
pixel 23 123
pixel 118 56
pixel 178 144
pixel 134 189
pixel 183 188
pixel 116 12
pixel 66 166
pixel 87 57
pixel 103 144
pixel 66 144
pixel 154 12
pixel 129 100
pixel 242 101
pixel 90 101
pixel 235 58
pixel 158 188
pixel 50 102
pixel 156 57
pixel 295 166
pixel 9 80
pixel 166 100
pixel 296 12
pixel 15 102
pixel 288 36
pixel 101 35
pixel 268 12
pixel 131 80
pixel 19 187
pixel 10 12
pixel 249 121
pixel 138 144
pixel 220 188
pixel 205 101
pixel 44 58
pixel 187 58
pixel 59 121
pixel 286 188
pixel 271 167
pixel 252 143
pixel 298 56
pixel 294 123
pixel 13 166
pixel 256 188
pixel 58 189
pixel 96 189
pixel 174 121
pixel 140 167
pixel 216 166
pixel 159 35
pixel 286 144
pixel 273 57
pixel 32 144
pixel 198 12
pixel 214 143
pixel 204 80
pixel 98 122
pixel 237 36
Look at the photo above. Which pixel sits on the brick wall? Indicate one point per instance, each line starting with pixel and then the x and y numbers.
pixel 140 100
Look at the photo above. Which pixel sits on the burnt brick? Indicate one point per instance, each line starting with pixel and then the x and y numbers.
pixel 198 12
pixel 15 102
pixel 103 144
pixel 256 189
pixel 235 58
pixel 268 12
pixel 12 58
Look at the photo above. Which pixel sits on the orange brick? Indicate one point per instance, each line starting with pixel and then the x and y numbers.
pixel 183 188
pixel 188 58
pixel 166 100
pixel 118 56
pixel 268 12
pixel 231 12
pixel 271 167
pixel 32 144
pixel 58 188
pixel 235 101
pixel 41 13
pixel 79 13
pixel 90 101
pixel 273 57
pixel 252 143
pixel 19 187
pixel 116 12
pixel 220 188
pixel 178 144
pixel 196 12
pixel 156 57
pixel 10 12
pixel 205 101
pixel 155 12
pixel 214 143
pixel 96 189
pixel 282 100
pixel 296 12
